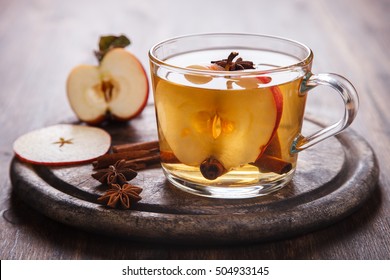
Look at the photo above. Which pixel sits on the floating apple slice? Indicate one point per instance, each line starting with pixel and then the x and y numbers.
pixel 201 79
pixel 198 79
pixel 62 145
pixel 117 87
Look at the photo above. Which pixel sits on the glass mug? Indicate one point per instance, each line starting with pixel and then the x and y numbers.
pixel 230 128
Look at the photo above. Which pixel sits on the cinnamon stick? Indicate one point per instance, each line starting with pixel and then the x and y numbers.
pixel 273 164
pixel 143 162
pixel 135 146
pixel 109 159
pixel 211 168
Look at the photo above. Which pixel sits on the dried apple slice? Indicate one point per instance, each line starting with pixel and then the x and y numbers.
pixel 62 144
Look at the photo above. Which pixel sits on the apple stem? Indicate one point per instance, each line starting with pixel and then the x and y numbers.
pixel 211 168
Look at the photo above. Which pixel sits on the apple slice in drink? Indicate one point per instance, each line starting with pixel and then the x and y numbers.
pixel 201 79
pixel 183 122
pixel 232 127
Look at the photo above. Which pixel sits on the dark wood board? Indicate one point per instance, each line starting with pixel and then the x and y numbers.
pixel 333 179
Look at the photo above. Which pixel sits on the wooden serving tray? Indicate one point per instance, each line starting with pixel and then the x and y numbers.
pixel 333 179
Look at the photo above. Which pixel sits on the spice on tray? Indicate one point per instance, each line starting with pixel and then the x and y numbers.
pixel 135 146
pixel 117 168
pixel 119 173
pixel 121 196
pixel 137 155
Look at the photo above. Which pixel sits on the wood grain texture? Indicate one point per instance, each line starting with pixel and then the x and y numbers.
pixel 40 42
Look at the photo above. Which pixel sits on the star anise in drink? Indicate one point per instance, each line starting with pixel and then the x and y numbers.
pixel 121 196
pixel 229 65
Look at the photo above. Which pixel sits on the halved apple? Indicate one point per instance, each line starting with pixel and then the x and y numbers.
pixel 231 126
pixel 118 87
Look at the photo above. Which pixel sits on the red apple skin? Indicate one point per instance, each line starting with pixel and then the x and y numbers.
pixel 278 97
pixel 279 106
pixel 55 163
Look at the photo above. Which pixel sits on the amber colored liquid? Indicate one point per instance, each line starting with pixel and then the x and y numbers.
pixel 249 128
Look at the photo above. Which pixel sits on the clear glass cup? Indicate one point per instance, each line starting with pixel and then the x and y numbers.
pixel 236 134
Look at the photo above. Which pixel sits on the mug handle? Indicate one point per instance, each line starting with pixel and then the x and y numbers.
pixel 351 102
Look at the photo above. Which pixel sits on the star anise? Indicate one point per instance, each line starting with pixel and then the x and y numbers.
pixel 124 195
pixel 230 65
pixel 119 173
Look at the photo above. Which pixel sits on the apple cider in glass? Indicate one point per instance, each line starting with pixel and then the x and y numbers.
pixel 225 130
pixel 230 107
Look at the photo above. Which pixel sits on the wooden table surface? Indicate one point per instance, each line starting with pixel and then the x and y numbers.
pixel 41 41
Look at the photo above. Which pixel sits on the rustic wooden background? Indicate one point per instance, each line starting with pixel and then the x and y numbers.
pixel 41 41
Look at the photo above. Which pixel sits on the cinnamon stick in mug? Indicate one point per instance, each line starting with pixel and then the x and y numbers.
pixel 273 164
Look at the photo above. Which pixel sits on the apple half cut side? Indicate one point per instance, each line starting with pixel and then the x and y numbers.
pixel 202 125
pixel 117 87
pixel 62 144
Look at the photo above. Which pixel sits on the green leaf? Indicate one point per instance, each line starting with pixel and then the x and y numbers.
pixel 109 42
